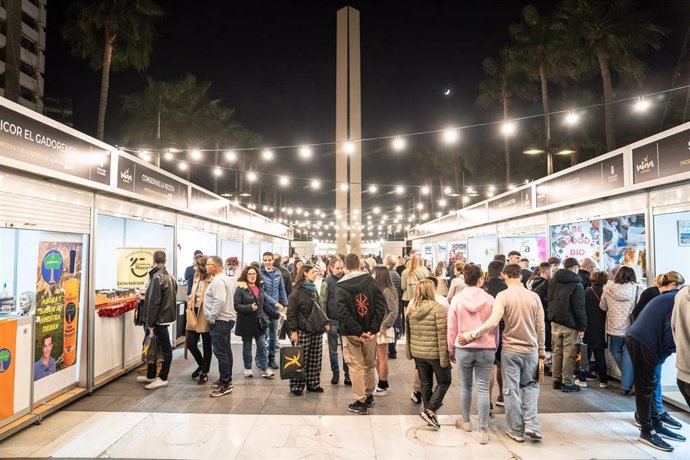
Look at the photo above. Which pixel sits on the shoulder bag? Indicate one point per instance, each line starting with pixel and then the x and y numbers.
pixel 316 321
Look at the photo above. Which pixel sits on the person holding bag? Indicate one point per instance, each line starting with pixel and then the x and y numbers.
pixel 197 325
pixel 253 315
pixel 307 323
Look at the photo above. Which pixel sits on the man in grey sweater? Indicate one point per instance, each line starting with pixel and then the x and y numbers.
pixel 219 310
pixel 680 318
pixel 523 346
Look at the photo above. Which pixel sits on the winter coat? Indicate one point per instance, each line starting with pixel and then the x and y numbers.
pixel 395 279
pixel 456 285
pixel 361 304
pixel 391 308
pixel 287 279
pixel 248 320
pixel 595 336
pixel 327 296
pixel 566 300
pixel 646 296
pixel 408 281
pixel 427 332
pixel 300 303
pixel 469 310
pixel 201 321
pixel 680 318
pixel 274 287
pixel 618 300
pixel 653 330
pixel 584 276
pixel 161 297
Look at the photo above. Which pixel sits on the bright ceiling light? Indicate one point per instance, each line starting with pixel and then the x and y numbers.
pixel 373 189
pixel 571 118
pixel 349 147
pixel 315 184
pixel 217 172
pixel 146 156
pixel 196 154
pixel 450 136
pixel 399 144
pixel 420 206
pixel 642 105
pixel 169 156
pixel 425 190
pixel 267 155
pixel 398 208
pixel 442 203
pixel 231 156
pixel 305 153
pixel 376 210
pixel 399 190
pixel 447 190
pixel 508 128
pixel 182 166
pixel 344 187
pixel 251 176
pixel 284 181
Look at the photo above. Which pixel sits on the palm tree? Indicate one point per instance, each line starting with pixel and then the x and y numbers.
pixel 610 34
pixel 111 34
pixel 503 82
pixel 543 56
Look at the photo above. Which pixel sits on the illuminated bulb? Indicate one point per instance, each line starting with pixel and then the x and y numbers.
pixel 182 166
pixel 349 147
pixel 642 105
pixel 196 154
pixel 315 184
pixel 284 181
pixel 145 156
pixel 399 190
pixel 217 172
pixel 267 155
pixel 420 206
pixel 492 188
pixel 508 128
pixel 447 190
pixel 398 209
pixel 343 187
pixel 373 189
pixel 571 118
pixel 398 144
pixel 305 153
pixel 231 156
pixel 376 210
pixel 251 176
pixel 424 190
pixel 450 136
pixel 169 156
pixel 442 203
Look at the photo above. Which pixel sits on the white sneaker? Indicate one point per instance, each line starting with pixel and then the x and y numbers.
pixel 483 437
pixel 463 425
pixel 381 391
pixel 603 385
pixel 268 374
pixel 144 379
pixel 248 373
pixel 157 383
pixel 580 383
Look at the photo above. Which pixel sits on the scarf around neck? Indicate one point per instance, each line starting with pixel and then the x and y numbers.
pixel 311 287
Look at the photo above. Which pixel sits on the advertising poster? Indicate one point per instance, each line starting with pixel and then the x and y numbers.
pixel 133 265
pixel 684 233
pixel 624 243
pixel 57 306
pixel 579 240
pixel 8 340
pixel 532 248
pixel 457 251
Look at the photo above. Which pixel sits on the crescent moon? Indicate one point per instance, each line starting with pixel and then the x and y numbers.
pixel 447 92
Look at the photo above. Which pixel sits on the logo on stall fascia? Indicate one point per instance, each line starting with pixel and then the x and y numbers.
pixel 126 177
pixel 645 165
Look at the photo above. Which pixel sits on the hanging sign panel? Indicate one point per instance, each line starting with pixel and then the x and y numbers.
pixel 149 183
pixel 666 157
pixel 511 205
pixel 24 139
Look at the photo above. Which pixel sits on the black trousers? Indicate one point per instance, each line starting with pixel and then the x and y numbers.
pixel 599 365
pixel 644 364
pixel 427 369
pixel 204 362
pixel 165 347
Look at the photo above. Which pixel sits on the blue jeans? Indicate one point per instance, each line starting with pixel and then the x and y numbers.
pixel 333 336
pixel 519 373
pixel 261 359
pixel 477 361
pixel 657 392
pixel 620 354
pixel 272 336
pixel 220 339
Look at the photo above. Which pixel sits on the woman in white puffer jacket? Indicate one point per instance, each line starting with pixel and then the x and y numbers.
pixel 618 300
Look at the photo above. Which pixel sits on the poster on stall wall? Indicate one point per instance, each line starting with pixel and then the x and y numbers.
pixel 8 340
pixel 533 249
pixel 133 265
pixel 624 243
pixel 58 281
pixel 579 240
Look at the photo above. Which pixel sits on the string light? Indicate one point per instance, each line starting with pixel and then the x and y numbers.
pixel 195 154
pixel 217 172
pixel 315 184
pixel 572 118
pixel 642 105
pixel 169 156
pixel 231 156
pixel 399 190
pixel 267 155
pixel 450 136
pixel 344 187
pixel 373 188
pixel 305 152
pixel 508 128
pixel 251 176
pixel 349 147
pixel 284 181
pixel 182 166
pixel 398 144
pixel 447 190
pixel 424 190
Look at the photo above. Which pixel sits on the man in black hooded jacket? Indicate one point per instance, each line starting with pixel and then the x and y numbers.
pixel 361 308
pixel 566 309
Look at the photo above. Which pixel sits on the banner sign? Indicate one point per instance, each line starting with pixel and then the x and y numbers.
pixel 133 265
pixel 208 205
pixel 149 183
pixel 579 240
pixel 57 306
pixel 511 205
pixel 663 158
pixel 24 139
pixel 8 343
pixel 605 175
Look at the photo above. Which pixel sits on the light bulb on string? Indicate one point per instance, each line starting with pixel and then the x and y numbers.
pixel 195 154
pixel 373 189
pixel 447 190
pixel 344 187
pixel 349 147
pixel 305 152
pixel 217 172
pixel 169 156
pixel 251 176
pixel 424 190
pixel 315 184
pixel 642 105
pixel 267 155
pixel 398 144
pixel 284 181
pixel 508 128
pixel 231 156
pixel 182 166
pixel 399 190
pixel 571 118
pixel 450 136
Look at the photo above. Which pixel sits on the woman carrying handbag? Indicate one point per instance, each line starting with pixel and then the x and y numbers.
pixel 307 327
pixel 197 325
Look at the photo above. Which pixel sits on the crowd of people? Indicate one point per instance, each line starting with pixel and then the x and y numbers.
pixel 521 321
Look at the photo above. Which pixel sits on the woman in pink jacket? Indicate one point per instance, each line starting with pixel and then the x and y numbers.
pixel 469 310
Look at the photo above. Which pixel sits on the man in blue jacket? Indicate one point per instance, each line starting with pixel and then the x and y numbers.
pixel 274 294
pixel 649 341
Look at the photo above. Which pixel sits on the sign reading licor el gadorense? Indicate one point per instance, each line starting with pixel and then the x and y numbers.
pixel 25 139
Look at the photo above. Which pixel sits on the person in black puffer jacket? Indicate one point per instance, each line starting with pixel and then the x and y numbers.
pixel 595 336
pixel 566 308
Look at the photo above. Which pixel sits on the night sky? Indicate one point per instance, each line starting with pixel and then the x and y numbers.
pixel 274 62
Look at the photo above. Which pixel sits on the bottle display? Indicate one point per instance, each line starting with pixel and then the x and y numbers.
pixel 71 289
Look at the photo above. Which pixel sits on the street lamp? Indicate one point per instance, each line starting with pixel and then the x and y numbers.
pixel 549 155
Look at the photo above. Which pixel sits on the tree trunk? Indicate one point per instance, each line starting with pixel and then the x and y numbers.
pixel 545 105
pixel 608 95
pixel 105 82
pixel 506 142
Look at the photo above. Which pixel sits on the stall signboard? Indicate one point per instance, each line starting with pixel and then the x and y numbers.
pixel 208 205
pixel 133 265
pixel 147 182
pixel 25 139
pixel 532 248
pixel 511 205
pixel 457 251
pixel 8 343
pixel 578 240
pixel 624 242
pixel 666 157
pixel 57 307
pixel 602 176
